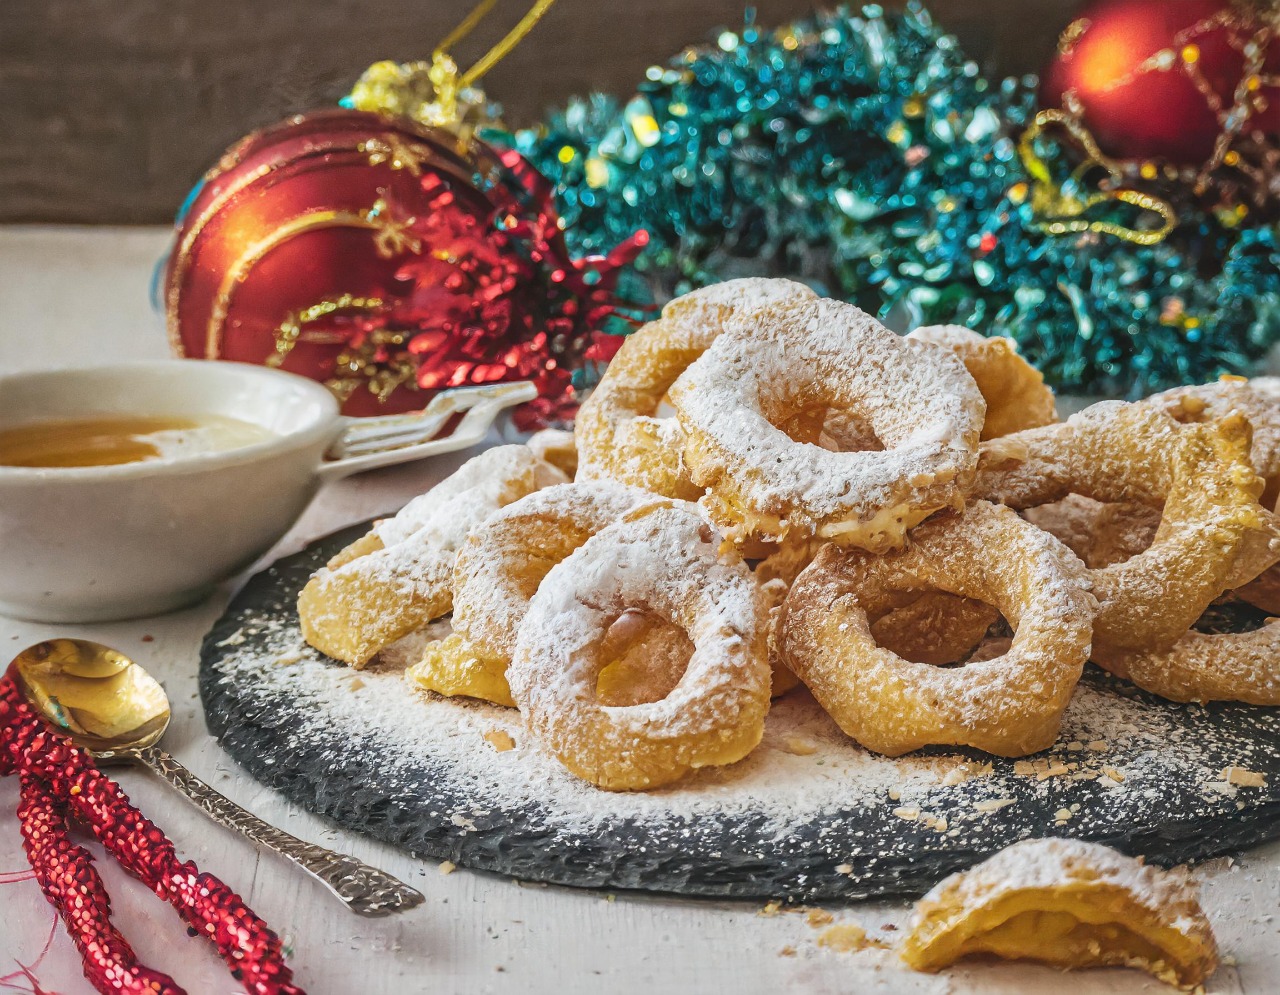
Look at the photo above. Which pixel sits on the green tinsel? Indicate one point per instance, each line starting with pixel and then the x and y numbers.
pixel 863 153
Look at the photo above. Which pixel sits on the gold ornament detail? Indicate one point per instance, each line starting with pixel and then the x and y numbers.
pixel 1059 209
pixel 378 363
pixel 437 92
pixel 293 329
pixel 396 152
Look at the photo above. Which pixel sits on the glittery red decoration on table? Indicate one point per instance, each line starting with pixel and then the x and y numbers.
pixel 208 906
pixel 65 873
pixel 372 253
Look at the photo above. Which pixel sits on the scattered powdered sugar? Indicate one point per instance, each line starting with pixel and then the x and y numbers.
pixel 804 770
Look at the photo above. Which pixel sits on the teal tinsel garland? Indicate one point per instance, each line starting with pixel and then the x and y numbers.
pixel 862 152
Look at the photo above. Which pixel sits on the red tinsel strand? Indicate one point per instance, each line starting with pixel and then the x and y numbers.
pixel 501 298
pixel 65 873
pixel 208 906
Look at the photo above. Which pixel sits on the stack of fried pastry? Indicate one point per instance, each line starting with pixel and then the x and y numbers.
pixel 768 487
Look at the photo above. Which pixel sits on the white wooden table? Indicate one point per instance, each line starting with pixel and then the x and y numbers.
pixel 79 296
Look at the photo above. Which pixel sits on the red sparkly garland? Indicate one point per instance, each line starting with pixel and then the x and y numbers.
pixel 207 905
pixel 500 297
pixel 65 873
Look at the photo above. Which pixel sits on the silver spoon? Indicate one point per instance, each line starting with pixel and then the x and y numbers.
pixel 117 711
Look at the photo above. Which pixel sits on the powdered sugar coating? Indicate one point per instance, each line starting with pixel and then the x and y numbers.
pixel 400 576
pixel 1011 705
pixel 668 563
pixel 778 362
pixel 709 307
pixel 1043 864
pixel 617 431
pixel 505 559
pixel 468 496
pixel 1202 666
pixel 1014 390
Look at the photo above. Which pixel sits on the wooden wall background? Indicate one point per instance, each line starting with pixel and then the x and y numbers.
pixel 110 109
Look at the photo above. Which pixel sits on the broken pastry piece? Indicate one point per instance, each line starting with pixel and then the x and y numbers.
pixel 1067 903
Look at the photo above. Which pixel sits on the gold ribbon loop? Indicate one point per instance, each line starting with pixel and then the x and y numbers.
pixel 1059 209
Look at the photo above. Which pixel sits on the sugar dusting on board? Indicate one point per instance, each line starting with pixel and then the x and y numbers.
pixel 808 814
pixel 804 767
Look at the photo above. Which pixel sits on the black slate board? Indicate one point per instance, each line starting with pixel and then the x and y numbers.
pixel 1172 806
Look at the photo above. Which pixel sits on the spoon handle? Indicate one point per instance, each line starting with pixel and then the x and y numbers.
pixel 366 890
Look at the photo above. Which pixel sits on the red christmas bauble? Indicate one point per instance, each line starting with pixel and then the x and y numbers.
pixel 1159 79
pixel 376 255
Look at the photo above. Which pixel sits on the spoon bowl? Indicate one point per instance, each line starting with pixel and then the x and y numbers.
pixel 98 696
pixel 111 707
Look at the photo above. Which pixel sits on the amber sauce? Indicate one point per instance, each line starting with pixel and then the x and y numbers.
pixel 108 441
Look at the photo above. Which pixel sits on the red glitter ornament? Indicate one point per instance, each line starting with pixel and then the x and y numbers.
pixel 72 783
pixel 65 873
pixel 1178 82
pixel 382 257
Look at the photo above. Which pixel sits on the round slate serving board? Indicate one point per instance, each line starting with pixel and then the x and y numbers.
pixel 809 815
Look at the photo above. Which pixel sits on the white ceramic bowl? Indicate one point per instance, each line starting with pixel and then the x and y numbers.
pixel 94 543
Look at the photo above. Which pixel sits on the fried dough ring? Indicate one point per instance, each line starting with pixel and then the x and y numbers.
pixel 1213 534
pixel 1009 706
pixel 1256 399
pixel 936 628
pixel 399 577
pixel 1068 903
pixel 499 567
pixel 773 364
pixel 557 447
pixel 1202 666
pixel 1101 534
pixel 647 661
pixel 668 563
pixel 1014 390
pixel 618 436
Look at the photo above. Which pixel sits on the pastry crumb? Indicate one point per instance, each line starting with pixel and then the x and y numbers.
pixel 844 868
pixel 1242 777
pixel 965 771
pixel 800 746
pixel 992 804
pixel 447 867
pixel 787 951
pixel 500 740
pixel 908 812
pixel 818 917
pixel 770 910
pixel 355 684
pixel 846 938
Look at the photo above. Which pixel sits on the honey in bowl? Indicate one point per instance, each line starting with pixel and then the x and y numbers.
pixel 110 440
